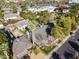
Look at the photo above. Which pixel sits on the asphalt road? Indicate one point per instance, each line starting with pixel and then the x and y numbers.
pixel 69 49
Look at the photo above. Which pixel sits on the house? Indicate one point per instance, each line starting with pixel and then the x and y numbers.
pixel 1 25
pixel 66 10
pixel 48 8
pixel 73 1
pixel 44 8
pixel 21 46
pixel 10 16
pixel 63 9
pixel 6 10
pixel 22 24
pixel 15 1
pixel 41 37
pixel 11 27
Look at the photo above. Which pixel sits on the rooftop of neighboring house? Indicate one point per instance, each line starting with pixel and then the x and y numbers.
pixel 42 36
pixel 22 23
pixel 73 1
pixel 10 16
pixel 15 1
pixel 21 46
pixel 10 27
pixel 6 9
pixel 48 8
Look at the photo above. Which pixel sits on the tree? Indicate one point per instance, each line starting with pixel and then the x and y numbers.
pixel 77 20
pixel 74 10
pixel 33 25
pixel 1 15
pixel 13 6
pixel 3 46
pixel 74 24
pixel 2 3
pixel 65 23
pixel 57 33
pixel 43 17
pixel 28 15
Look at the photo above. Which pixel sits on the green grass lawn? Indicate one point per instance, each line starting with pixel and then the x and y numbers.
pixel 48 49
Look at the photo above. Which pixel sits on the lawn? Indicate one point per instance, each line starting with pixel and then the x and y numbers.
pixel 48 49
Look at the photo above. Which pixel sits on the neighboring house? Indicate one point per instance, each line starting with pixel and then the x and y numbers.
pixel 63 9
pixel 10 16
pixel 21 46
pixel 44 8
pixel 14 30
pixel 6 10
pixel 1 25
pixel 66 10
pixel 73 1
pixel 48 8
pixel 40 36
pixel 11 27
pixel 22 24
pixel 15 1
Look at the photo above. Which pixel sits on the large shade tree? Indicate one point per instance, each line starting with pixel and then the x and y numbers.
pixel 43 17
pixel 3 46
pixel 64 25
pixel 57 32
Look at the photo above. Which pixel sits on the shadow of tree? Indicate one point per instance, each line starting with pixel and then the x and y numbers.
pixel 74 45
pixel 10 42
pixel 55 56
pixel 68 55
pixel 49 28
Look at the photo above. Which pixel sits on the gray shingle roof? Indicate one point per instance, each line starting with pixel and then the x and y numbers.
pixel 20 46
pixel 10 16
pixel 22 24
pixel 41 35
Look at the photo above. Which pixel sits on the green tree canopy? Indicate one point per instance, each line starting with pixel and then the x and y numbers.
pixel 28 15
pixel 3 46
pixel 57 32
pixel 1 15
pixel 74 10
pixel 64 25
pixel 43 17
